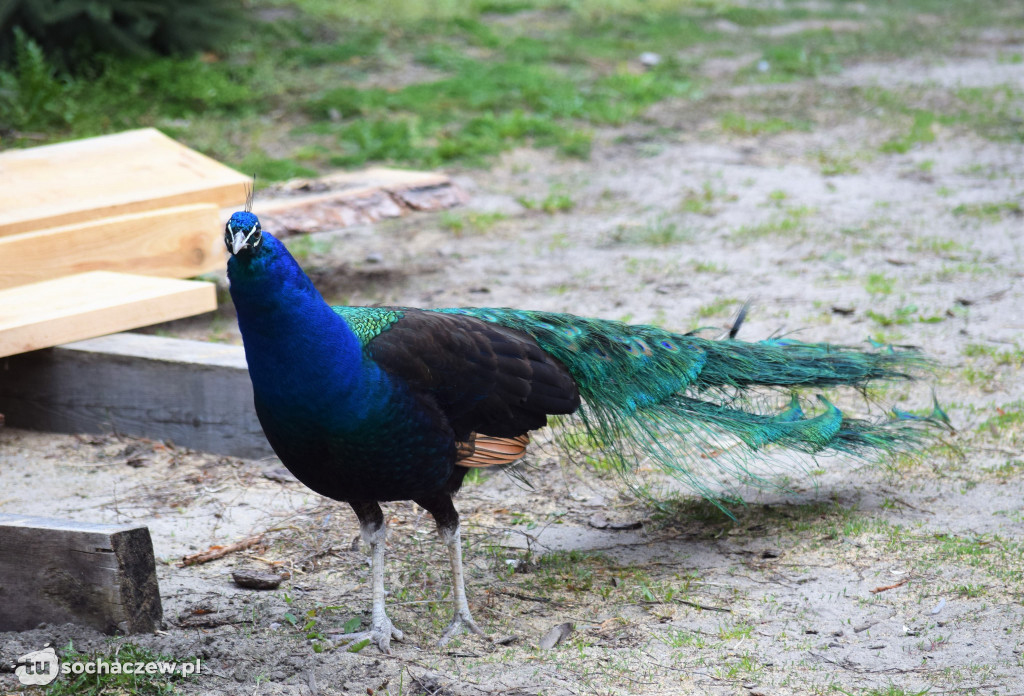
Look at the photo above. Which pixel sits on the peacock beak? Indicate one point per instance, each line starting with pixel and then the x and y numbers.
pixel 238 241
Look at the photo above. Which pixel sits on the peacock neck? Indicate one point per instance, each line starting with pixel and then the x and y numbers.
pixel 294 343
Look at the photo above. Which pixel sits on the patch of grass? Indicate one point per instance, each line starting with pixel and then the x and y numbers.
pixel 902 316
pixel 557 201
pixel 302 247
pixel 1009 469
pixel 574 571
pixel 789 224
pixel 800 56
pixel 990 211
pixel 740 124
pixel 708 267
pixel 970 591
pixel 461 223
pixel 735 631
pixel 661 230
pixel 922 130
pixel 144 684
pixel 702 202
pixel 983 379
pixel 832 163
pixel 266 168
pixel 1008 421
pixel 716 308
pixel 1003 357
pixel 879 284
pixel 890 690
pixel 938 246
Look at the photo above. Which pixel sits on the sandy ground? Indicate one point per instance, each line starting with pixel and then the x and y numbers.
pixel 674 222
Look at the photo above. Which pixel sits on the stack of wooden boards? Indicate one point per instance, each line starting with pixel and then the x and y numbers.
pixel 94 238
pixel 96 234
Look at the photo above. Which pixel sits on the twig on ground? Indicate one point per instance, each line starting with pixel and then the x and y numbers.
pixel 215 552
pixel 883 588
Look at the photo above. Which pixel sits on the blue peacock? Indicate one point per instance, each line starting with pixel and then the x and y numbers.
pixel 373 404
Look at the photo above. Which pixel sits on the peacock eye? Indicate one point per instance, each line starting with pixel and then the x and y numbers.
pixel 258 237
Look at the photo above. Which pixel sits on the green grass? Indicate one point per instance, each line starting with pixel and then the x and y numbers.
pixel 463 223
pixel 922 130
pixel 661 230
pixel 990 211
pixel 879 284
pixel 97 684
pixel 740 124
pixel 902 316
pixel 1000 356
pixel 717 308
pixel 557 201
pixel 790 223
pixel 336 84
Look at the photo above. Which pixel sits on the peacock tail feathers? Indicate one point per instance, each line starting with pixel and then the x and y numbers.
pixel 686 403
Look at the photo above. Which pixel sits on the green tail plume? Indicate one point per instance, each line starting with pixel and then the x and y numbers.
pixel 650 394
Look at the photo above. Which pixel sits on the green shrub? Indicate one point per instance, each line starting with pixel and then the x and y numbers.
pixel 73 32
pixel 31 95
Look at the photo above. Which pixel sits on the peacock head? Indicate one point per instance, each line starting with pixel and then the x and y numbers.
pixel 243 234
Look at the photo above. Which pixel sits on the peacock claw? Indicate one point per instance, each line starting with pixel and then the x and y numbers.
pixel 462 621
pixel 380 635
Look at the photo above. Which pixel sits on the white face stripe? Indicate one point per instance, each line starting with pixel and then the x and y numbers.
pixel 251 232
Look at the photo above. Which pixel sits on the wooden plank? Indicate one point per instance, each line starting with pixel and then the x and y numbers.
pixel 66 309
pixel 350 198
pixel 119 174
pixel 60 571
pixel 195 394
pixel 174 242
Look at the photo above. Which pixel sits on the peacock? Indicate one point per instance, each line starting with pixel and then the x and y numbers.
pixel 372 404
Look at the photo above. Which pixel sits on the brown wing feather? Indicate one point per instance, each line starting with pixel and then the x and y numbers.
pixel 482 451
pixel 485 378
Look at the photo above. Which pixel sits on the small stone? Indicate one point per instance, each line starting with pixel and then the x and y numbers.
pixel 255 580
pixel 556 635
pixel 649 59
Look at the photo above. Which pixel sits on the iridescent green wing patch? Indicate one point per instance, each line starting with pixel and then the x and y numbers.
pixel 368 322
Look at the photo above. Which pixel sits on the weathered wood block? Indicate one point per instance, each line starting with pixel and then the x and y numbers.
pixel 59 571
pixel 351 198
pixel 193 393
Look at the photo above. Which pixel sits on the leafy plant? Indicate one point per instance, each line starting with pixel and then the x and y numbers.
pixel 31 95
pixel 74 32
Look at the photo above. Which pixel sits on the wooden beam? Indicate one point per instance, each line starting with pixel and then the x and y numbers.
pixel 56 311
pixel 60 571
pixel 195 394
pixel 351 198
pixel 177 242
pixel 119 174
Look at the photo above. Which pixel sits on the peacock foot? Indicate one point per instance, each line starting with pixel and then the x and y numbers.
pixel 462 621
pixel 381 634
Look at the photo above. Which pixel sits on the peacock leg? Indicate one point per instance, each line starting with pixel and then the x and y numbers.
pixel 440 506
pixel 374 533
